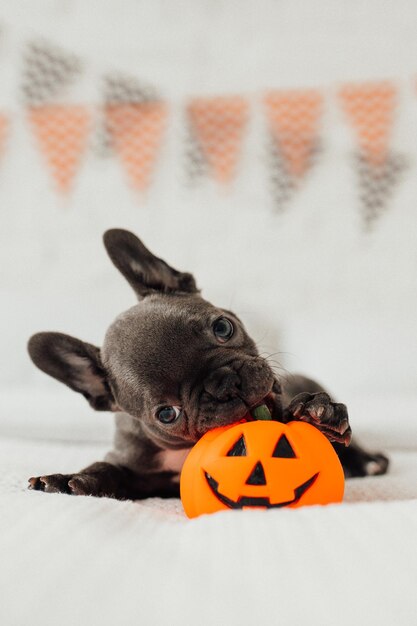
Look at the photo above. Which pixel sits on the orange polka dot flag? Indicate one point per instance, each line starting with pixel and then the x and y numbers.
pixel 370 109
pixel 135 120
pixel 293 123
pixel 61 129
pixel 216 129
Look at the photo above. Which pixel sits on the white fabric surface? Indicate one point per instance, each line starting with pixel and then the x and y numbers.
pixel 76 560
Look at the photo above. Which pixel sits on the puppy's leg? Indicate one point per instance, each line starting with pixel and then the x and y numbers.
pixel 107 480
pixel 308 401
pixel 98 479
pixel 359 462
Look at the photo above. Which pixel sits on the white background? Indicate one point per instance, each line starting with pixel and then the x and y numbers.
pixel 335 302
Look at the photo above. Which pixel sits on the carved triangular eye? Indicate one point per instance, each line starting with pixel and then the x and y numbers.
pixel 283 449
pixel 238 448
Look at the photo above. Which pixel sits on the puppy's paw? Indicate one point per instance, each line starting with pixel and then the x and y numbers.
pixel 376 464
pixel 55 483
pixel 73 484
pixel 331 418
pixel 359 462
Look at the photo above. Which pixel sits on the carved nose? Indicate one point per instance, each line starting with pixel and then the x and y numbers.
pixel 222 384
pixel 257 476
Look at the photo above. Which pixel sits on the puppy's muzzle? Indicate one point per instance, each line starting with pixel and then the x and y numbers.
pixel 222 385
pixel 235 388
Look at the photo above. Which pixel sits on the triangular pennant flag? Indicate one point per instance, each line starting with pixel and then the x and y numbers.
pixel 136 129
pixel 218 125
pixel 47 72
pixel 376 183
pixel 195 162
pixel 123 89
pixel 62 132
pixel 294 118
pixel 370 109
pixel 119 88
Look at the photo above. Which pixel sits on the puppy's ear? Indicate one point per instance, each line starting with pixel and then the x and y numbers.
pixel 76 364
pixel 144 272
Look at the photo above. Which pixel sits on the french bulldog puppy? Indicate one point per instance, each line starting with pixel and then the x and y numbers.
pixel 171 368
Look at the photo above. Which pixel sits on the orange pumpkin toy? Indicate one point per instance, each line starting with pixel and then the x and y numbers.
pixel 260 464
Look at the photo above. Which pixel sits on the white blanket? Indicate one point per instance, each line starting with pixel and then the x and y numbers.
pixel 86 561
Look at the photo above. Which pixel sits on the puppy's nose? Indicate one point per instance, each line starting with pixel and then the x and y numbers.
pixel 222 384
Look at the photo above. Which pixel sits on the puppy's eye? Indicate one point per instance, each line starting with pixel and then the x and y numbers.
pixel 223 329
pixel 168 414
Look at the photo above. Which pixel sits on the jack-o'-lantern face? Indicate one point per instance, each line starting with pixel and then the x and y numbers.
pixel 260 465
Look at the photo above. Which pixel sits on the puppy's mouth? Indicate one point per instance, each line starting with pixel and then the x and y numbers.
pixel 270 402
pixel 239 408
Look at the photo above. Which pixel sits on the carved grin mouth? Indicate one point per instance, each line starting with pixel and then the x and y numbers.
pixel 249 501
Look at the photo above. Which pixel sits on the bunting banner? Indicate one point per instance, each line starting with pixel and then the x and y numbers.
pixel 135 120
pixel 293 123
pixel 131 120
pixel 216 128
pixel 61 129
pixel 370 110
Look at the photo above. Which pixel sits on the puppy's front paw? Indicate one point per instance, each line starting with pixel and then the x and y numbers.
pixel 331 418
pixel 55 483
pixel 73 484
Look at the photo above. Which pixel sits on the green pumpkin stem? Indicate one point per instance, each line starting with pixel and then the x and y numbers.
pixel 261 412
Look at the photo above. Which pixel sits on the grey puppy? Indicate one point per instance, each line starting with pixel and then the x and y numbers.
pixel 173 367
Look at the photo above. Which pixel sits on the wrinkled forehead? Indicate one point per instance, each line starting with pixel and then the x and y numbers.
pixel 159 332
